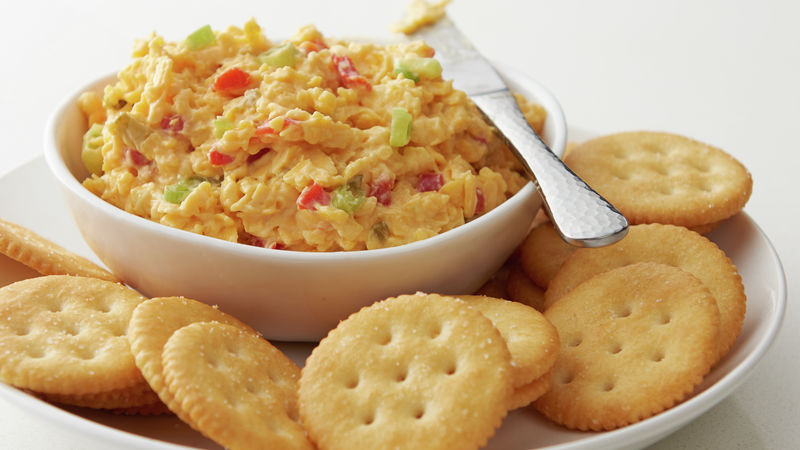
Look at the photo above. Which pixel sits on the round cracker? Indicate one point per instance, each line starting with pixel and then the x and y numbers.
pixel 656 177
pixel 542 254
pixel 667 244
pixel 522 289
pixel 531 339
pixel 44 256
pixel 234 386
pixel 154 409
pixel 152 324
pixel 635 341
pixel 569 147
pixel 529 393
pixel 496 285
pixel 415 371
pixel 139 395
pixel 62 334
pixel 705 228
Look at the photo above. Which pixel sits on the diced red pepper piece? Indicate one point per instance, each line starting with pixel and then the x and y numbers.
pixel 313 46
pixel 233 81
pixel 265 129
pixel 480 200
pixel 136 157
pixel 430 182
pixel 348 74
pixel 256 156
pixel 278 246
pixel 480 139
pixel 255 241
pixel 219 159
pixel 381 189
pixel 313 196
pixel 172 123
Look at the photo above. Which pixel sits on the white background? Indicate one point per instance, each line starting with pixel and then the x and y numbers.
pixel 724 72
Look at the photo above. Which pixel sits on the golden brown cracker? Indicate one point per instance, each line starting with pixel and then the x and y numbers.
pixel 531 339
pixel 415 371
pixel 656 177
pixel 12 270
pixel 522 289
pixel 61 334
pixel 568 148
pixel 155 409
pixel 542 254
pixel 136 396
pixel 540 218
pixel 44 256
pixel 151 325
pixel 665 244
pixel 705 228
pixel 234 386
pixel 527 394
pixel 635 341
pixel 496 286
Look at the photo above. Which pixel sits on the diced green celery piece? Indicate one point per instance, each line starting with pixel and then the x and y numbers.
pixel 349 197
pixel 200 38
pixel 381 230
pixel 195 180
pixel 92 149
pixel 221 125
pixel 177 192
pixel 421 67
pixel 400 132
pixel 407 74
pixel 94 132
pixel 283 55
pixel 355 184
pixel 133 131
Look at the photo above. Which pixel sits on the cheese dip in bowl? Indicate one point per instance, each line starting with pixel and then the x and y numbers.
pixel 292 182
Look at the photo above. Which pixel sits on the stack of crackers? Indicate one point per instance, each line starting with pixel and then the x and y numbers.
pixel 594 339
pixel 643 320
pixel 63 335
pixel 425 371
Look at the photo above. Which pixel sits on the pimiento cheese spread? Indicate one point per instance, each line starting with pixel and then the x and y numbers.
pixel 311 144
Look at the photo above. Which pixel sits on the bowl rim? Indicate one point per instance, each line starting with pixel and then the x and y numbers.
pixel 58 167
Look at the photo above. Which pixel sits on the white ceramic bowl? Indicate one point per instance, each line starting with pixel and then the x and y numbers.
pixel 288 295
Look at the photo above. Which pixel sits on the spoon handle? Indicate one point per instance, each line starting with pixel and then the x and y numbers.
pixel 580 215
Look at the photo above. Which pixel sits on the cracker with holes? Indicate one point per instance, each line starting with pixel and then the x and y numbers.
pixel 234 386
pixel 44 256
pixel 62 334
pixel 542 253
pixel 530 338
pixel 522 289
pixel 415 371
pixel 656 177
pixel 636 340
pixel 151 325
pixel 667 244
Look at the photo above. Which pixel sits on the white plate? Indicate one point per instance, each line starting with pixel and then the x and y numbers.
pixel 32 198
